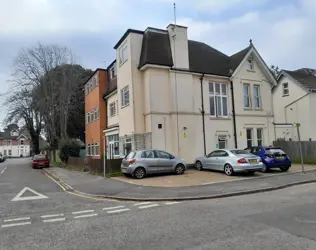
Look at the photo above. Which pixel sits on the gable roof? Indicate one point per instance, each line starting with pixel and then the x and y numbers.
pixel 6 135
pixel 236 58
pixel 306 77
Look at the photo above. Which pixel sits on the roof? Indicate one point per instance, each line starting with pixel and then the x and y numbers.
pixel 305 76
pixel 236 58
pixel 125 35
pixel 7 136
pixel 98 69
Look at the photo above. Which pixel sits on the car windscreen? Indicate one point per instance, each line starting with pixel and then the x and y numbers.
pixel 273 151
pixel 240 152
pixel 130 155
pixel 39 157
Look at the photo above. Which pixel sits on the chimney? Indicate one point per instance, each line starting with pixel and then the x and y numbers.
pixel 179 46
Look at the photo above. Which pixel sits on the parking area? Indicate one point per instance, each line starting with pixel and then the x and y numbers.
pixel 193 177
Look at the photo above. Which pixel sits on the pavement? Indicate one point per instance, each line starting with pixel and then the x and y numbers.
pixel 97 186
pixel 45 217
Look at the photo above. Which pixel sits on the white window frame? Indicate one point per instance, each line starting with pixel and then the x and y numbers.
pixel 259 139
pixel 96 113
pixel 218 96
pixel 9 142
pixel 125 101
pixel 222 138
pixel 257 98
pixel 112 109
pixel 127 141
pixel 113 71
pixel 249 95
pixel 96 146
pixel 285 89
pixel 250 64
pixel 123 53
pixel 252 135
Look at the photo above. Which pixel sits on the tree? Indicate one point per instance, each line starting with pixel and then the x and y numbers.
pixel 275 71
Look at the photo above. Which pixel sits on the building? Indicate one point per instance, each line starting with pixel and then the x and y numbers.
pixel 294 100
pixel 95 110
pixel 186 97
pixel 14 142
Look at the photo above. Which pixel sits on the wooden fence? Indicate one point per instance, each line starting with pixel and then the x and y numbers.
pixel 292 149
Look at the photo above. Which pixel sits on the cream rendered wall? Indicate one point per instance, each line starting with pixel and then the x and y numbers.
pixel 251 117
pixel 114 120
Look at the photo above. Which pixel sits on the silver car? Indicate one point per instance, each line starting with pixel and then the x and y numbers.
pixel 230 161
pixel 140 163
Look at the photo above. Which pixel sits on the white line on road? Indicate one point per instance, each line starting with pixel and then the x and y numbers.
pixel 83 212
pixel 16 224
pixel 111 208
pixel 17 219
pixel 148 206
pixel 118 211
pixel 142 203
pixel 52 215
pixel 172 202
pixel 85 215
pixel 3 170
pixel 54 220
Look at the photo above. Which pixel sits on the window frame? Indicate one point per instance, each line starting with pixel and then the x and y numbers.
pixel 257 97
pixel 249 95
pixel 96 113
pixel 250 64
pixel 261 139
pixel 218 96
pixel 123 48
pixel 112 109
pixel 123 97
pixel 96 146
pixel 285 89
pixel 252 137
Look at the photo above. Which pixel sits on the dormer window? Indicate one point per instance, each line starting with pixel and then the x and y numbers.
pixel 14 133
pixel 123 56
pixel 113 71
pixel 250 64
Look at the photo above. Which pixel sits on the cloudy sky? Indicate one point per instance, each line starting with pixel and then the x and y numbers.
pixel 282 30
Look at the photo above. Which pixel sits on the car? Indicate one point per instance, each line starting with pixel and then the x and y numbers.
pixel 272 157
pixel 230 161
pixel 40 161
pixel 2 158
pixel 140 163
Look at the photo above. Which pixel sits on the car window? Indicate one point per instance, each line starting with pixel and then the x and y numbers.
pixel 256 150
pixel 163 155
pixel 39 157
pixel 214 153
pixel 222 153
pixel 240 152
pixel 130 155
pixel 148 154
pixel 275 151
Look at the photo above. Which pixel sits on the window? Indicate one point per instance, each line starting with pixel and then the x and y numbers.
pixel 148 154
pixel 250 64
pixel 89 150
pixel 218 99
pixel 123 53
pixel 92 116
pixel 87 118
pixel 9 143
pixel 125 96
pixel 249 133
pixel 112 109
pixel 22 142
pixel 113 148
pixel 257 96
pixel 128 145
pixel 92 149
pixel 117 107
pixel 95 81
pixel 86 89
pixel 247 103
pixel 163 155
pixel 222 139
pixel 286 89
pixel 10 152
pixel 96 114
pixel 113 71
pixel 96 149
pixel 259 136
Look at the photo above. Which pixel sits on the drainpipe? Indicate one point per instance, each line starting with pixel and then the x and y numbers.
pixel 233 111
pixel 203 114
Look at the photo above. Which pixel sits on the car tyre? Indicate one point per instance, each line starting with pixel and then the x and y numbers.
pixel 264 169
pixel 139 173
pixel 228 169
pixel 179 169
pixel 199 166
pixel 284 168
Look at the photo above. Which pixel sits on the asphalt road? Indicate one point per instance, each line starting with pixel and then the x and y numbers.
pixel 284 219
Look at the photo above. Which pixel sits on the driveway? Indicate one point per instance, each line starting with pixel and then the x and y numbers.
pixel 193 177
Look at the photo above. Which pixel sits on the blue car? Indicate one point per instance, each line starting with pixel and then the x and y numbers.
pixel 272 157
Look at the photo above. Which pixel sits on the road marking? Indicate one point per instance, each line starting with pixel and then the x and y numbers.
pixel 27 198
pixel 82 212
pixel 148 206
pixel 111 208
pixel 64 189
pixel 142 203
pixel 54 220
pixel 16 224
pixel 172 202
pixel 85 215
pixel 3 170
pixel 17 219
pixel 51 215
pixel 118 211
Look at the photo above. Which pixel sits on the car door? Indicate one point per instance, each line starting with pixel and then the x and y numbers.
pixel 165 162
pixel 150 161
pixel 210 161
pixel 221 159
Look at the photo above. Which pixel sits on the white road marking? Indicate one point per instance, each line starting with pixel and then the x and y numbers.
pixel 111 208
pixel 148 206
pixel 54 220
pixel 16 224
pixel 118 211
pixel 3 170
pixel 51 215
pixel 85 215
pixel 142 203
pixel 37 197
pixel 172 202
pixel 17 219
pixel 82 212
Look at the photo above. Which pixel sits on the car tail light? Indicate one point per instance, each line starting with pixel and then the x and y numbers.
pixel 132 161
pixel 242 160
pixel 260 160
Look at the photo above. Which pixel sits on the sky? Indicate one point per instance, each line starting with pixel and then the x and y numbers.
pixel 281 30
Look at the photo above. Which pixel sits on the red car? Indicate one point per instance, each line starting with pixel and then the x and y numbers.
pixel 40 161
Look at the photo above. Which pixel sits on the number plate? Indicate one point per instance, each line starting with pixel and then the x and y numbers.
pixel 253 160
pixel 280 157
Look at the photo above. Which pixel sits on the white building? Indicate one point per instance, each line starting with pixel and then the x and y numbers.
pixel 169 86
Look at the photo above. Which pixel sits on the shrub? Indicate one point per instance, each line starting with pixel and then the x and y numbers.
pixel 67 148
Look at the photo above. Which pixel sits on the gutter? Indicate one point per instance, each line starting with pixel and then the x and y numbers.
pixel 233 112
pixel 203 114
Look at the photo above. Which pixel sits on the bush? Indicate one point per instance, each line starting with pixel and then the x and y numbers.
pixel 67 148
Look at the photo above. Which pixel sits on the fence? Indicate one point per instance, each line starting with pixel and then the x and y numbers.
pixel 292 149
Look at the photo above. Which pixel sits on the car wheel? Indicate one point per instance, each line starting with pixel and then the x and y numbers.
pixel 284 169
pixel 139 173
pixel 199 165
pixel 228 169
pixel 179 169
pixel 264 169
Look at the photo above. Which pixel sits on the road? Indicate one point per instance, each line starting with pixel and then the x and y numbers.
pixel 283 219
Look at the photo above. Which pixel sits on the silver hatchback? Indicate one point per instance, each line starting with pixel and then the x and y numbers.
pixel 230 161
pixel 140 163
